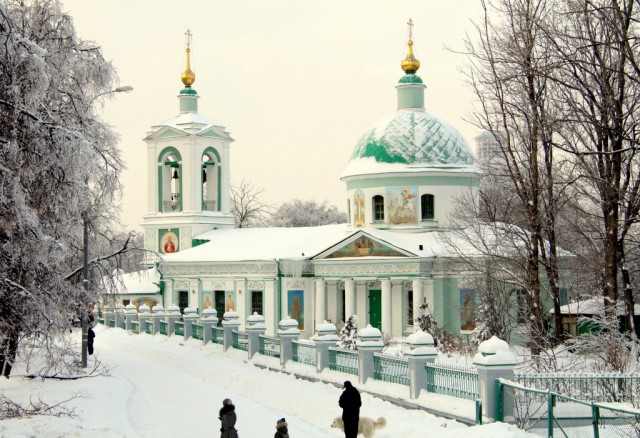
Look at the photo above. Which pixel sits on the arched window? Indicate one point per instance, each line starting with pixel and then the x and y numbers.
pixel 170 181
pixel 427 207
pixel 210 180
pixel 378 208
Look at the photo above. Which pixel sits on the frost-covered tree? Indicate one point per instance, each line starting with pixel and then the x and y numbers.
pixel 349 334
pixel 310 213
pixel 59 170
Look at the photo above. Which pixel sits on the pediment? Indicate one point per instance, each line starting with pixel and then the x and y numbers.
pixel 361 244
pixel 166 132
pixel 214 132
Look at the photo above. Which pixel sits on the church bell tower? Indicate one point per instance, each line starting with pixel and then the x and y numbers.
pixel 188 174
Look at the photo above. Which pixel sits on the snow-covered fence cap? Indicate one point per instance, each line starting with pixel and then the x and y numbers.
pixel 369 333
pixel 420 339
pixel 119 308
pixel 288 326
pixel 256 318
pixel 130 309
pixel 231 315
pixel 173 310
pixel 158 308
pixel 494 352
pixel 143 308
pixel 190 311
pixel 326 328
pixel 209 313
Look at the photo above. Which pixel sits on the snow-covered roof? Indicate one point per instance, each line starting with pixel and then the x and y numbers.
pixel 146 281
pixel 190 123
pixel 591 306
pixel 412 141
pixel 253 244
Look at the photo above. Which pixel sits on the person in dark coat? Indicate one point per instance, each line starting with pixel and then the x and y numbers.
pixel 281 429
pixel 350 403
pixel 228 420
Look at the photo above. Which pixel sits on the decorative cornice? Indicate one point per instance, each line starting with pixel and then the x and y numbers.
pixel 226 269
pixel 368 269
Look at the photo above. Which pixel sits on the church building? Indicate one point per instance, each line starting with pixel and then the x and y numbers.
pixel 400 183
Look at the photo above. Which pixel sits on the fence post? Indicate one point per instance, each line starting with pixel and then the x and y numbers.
pixel 209 319
pixel 158 315
pixel 595 415
pixel 119 315
pixel 108 314
pixel 369 342
pixel 422 352
pixel 173 314
pixel 326 336
pixel 130 313
pixel 494 360
pixel 287 333
pixel 143 317
pixel 255 328
pixel 230 323
pixel 190 316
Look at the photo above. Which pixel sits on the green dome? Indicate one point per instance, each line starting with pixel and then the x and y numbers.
pixel 410 78
pixel 414 137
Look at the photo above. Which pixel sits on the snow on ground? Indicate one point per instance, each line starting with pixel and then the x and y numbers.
pixel 165 387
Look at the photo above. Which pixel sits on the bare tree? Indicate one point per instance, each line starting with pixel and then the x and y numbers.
pixel 309 213
pixel 247 207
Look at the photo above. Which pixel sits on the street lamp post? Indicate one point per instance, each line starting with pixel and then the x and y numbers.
pixel 85 261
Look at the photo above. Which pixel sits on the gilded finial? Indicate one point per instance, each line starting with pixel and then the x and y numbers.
pixel 188 76
pixel 410 64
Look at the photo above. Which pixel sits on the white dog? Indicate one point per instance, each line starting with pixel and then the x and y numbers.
pixel 366 426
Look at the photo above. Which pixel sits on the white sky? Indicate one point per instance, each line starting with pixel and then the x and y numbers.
pixel 295 82
pixel 165 387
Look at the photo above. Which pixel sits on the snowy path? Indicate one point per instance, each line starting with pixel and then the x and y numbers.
pixel 163 387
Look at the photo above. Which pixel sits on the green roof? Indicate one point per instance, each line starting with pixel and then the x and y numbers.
pixel 414 137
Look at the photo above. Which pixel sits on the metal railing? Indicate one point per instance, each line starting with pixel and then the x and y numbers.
pixel 345 361
pixel 148 327
pixel 179 328
pixel 196 331
pixel 135 326
pixel 391 369
pixel 304 353
pixel 608 387
pixel 453 380
pixel 163 328
pixel 240 341
pixel 268 346
pixel 217 335
pixel 543 412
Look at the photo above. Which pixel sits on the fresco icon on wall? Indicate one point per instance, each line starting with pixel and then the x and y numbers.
pixel 467 309
pixel 403 205
pixel 295 300
pixel 230 301
pixel 358 209
pixel 365 247
pixel 169 241
pixel 207 300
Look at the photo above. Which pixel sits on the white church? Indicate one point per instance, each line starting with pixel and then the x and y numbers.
pixel 401 180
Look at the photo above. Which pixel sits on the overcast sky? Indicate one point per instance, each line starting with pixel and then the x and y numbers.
pixel 295 82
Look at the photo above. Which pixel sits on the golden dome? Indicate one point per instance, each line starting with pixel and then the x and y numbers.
pixel 188 76
pixel 410 64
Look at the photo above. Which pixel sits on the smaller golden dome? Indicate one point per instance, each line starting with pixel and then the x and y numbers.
pixel 410 64
pixel 188 76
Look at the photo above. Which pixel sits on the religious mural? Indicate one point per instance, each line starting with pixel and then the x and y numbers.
pixel 467 309
pixel 295 300
pixel 169 240
pixel 230 301
pixel 358 209
pixel 207 300
pixel 364 247
pixel 403 205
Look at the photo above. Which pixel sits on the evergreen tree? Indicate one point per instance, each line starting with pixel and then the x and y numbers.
pixel 349 334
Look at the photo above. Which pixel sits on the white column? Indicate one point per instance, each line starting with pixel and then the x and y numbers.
pixel 349 298
pixel 321 310
pixel 386 306
pixel 418 297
